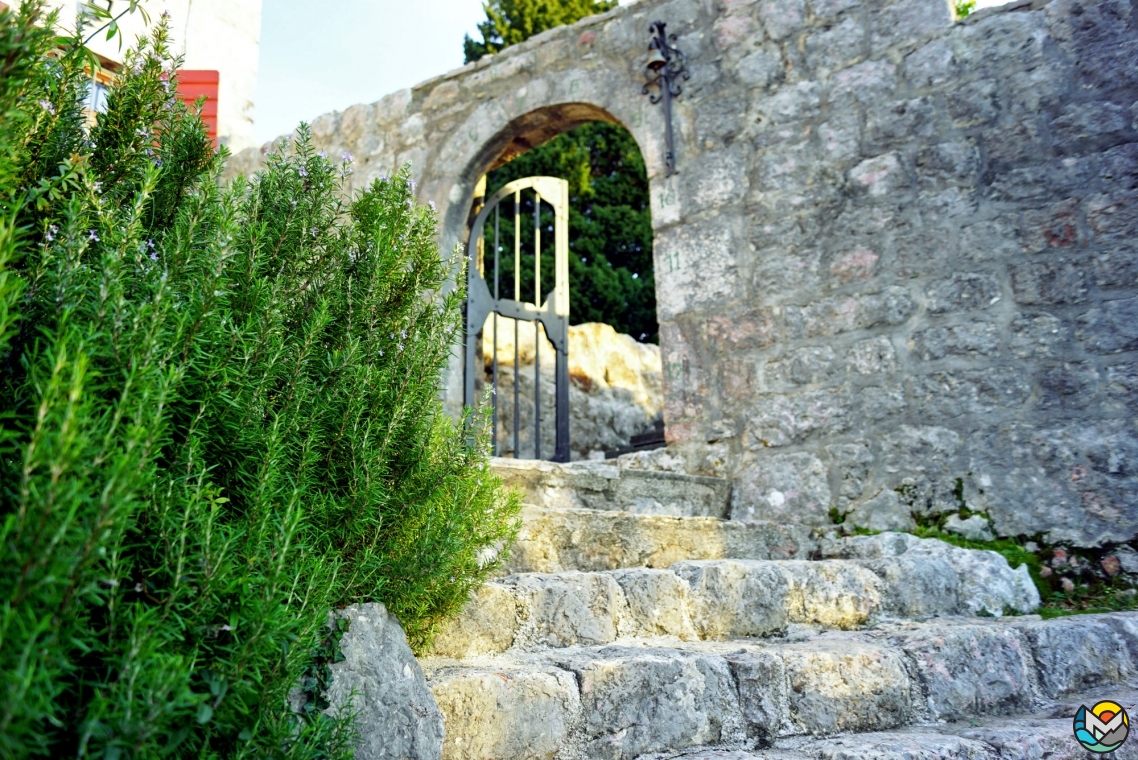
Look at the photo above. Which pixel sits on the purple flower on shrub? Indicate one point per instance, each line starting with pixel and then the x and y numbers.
pixel 348 158
pixel 153 256
pixel 51 231
pixel 302 172
pixel 323 154
pixel 93 236
pixel 46 105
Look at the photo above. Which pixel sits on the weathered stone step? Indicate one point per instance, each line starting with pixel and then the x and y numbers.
pixel 623 702
pixel 596 485
pixel 1042 734
pixel 903 577
pixel 556 539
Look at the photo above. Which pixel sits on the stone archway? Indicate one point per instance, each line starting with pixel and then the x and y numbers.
pixel 614 384
pixel 854 315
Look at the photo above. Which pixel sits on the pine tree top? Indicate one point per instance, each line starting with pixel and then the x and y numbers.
pixel 509 22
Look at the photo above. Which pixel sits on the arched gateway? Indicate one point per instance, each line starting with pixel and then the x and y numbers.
pixel 895 268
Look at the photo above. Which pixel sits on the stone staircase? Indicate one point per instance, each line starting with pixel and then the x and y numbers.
pixel 635 622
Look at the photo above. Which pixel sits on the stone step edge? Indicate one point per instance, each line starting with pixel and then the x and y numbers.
pixel 727 598
pixel 603 486
pixel 621 701
pixel 554 539
pixel 1045 732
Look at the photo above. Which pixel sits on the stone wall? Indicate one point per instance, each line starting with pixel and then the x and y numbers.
pixel 897 265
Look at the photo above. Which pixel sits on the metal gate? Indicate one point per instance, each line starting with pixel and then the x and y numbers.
pixel 484 298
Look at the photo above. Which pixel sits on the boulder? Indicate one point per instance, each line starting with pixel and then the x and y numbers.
pixel 615 390
pixel 398 716
pixel 975 528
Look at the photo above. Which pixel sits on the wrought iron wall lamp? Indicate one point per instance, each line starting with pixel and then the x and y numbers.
pixel 665 67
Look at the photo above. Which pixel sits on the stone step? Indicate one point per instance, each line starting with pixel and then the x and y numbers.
pixel 886 576
pixel 597 485
pixel 623 702
pixel 555 539
pixel 1044 733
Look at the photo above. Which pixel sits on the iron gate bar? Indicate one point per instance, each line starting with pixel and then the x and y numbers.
pixel 536 332
pixel 517 297
pixel 552 314
pixel 494 438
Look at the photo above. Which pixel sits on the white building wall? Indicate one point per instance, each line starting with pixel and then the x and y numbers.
pixel 222 35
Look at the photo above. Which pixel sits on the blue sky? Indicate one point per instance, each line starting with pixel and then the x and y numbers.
pixel 356 51
pixel 326 56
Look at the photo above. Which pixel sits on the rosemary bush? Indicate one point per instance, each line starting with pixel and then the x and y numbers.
pixel 219 418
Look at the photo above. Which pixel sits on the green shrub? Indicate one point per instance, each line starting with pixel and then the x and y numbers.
pixel 220 419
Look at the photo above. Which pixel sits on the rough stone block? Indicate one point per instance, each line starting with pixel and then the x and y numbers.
pixel 1115 269
pixel 565 609
pixel 804 366
pixel 852 461
pixel 830 593
pixel 901 121
pixel 916 586
pixel 880 176
pixel 1057 281
pixel 492 714
pixel 869 357
pixel 868 82
pixel 971 670
pixel 781 419
pixel 1070 386
pixel 760 676
pixel 1111 327
pixel 953 394
pixel 1074 654
pixel 782 487
pixel 973 104
pixel 657 604
pixel 975 528
pixel 984 581
pixel 988 584
pixel 636 701
pixel 957 340
pixel 780 19
pixel 838 685
pixel 791 103
pixel 380 679
pixel 554 540
pixel 891 307
pixel 1037 336
pixel 838 46
pixel 1037 737
pixel 910 745
pixel 735 597
pixel 963 292
pixel 762 67
pixel 830 8
pixel 695 267
pixel 486 624
pixel 885 511
pixel 596 485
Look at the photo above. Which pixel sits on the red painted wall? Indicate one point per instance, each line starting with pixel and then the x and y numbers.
pixel 192 84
